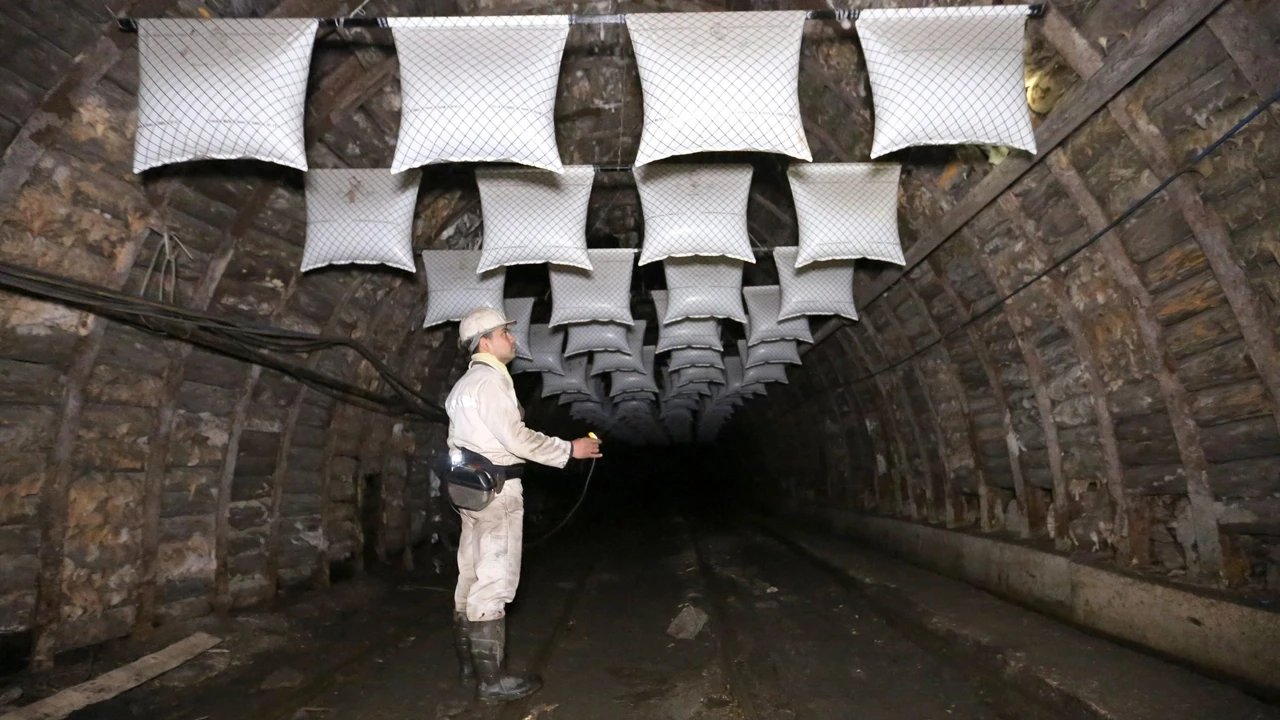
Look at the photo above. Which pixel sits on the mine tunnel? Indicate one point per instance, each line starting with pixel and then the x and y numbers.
pixel 928 349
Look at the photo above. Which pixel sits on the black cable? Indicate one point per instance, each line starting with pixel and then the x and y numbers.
pixel 583 496
pixel 240 340
pixel 1085 245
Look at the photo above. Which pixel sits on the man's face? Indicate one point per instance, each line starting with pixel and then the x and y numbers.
pixel 501 344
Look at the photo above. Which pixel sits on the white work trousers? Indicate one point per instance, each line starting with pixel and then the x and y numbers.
pixel 489 555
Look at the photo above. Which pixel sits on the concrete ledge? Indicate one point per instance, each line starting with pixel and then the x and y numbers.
pixel 1219 636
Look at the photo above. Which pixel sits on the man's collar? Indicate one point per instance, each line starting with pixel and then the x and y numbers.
pixel 492 361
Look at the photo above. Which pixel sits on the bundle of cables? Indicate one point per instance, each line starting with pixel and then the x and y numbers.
pixel 257 344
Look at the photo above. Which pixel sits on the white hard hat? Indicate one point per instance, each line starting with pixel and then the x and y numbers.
pixel 478 322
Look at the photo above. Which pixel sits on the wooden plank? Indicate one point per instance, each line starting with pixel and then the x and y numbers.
pixel 1250 45
pixel 1186 431
pixel 1153 37
pixel 110 684
pixel 938 436
pixel 957 386
pixel 1035 376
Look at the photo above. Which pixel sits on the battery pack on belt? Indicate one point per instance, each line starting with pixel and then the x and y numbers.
pixel 471 481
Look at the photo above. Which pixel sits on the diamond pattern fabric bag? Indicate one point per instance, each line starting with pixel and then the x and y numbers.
pixel 704 333
pixel 846 211
pixel 763 304
pixel 596 337
pixel 478 89
pixel 824 288
pixel 695 210
pixel 601 294
pixel 719 82
pixel 947 76
pixel 520 310
pixel 703 288
pixel 455 289
pixel 222 90
pixel 535 216
pixel 360 216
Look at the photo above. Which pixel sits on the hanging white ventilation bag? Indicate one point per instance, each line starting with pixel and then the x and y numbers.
pixel 824 288
pixel 601 294
pixel 763 304
pixel 222 90
pixel 453 287
pixel 691 357
pixel 719 82
pixel 596 337
pixel 947 76
pixel 626 382
pixel 574 379
pixel 360 216
pixel 703 333
pixel 545 346
pixel 535 216
pixel 770 372
pixel 703 288
pixel 520 310
pixel 694 210
pixel 697 375
pixel 478 89
pixel 779 351
pixel 630 361
pixel 846 211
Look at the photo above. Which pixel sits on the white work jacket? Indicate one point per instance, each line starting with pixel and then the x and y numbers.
pixel 484 417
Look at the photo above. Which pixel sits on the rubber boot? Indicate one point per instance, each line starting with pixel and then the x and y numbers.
pixel 462 643
pixel 488 649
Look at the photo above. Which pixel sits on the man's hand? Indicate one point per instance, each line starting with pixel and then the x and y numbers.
pixel 584 448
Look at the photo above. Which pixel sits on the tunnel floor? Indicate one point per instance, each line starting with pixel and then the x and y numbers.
pixel 785 637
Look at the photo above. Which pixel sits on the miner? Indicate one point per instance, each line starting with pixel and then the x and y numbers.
pixel 488 445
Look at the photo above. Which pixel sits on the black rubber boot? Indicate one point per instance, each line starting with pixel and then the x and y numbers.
pixel 488 649
pixel 462 643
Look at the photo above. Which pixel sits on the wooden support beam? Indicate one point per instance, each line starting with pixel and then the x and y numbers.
pixel 906 347
pixel 166 411
pixel 366 326
pixel 332 98
pixel 962 397
pixel 286 441
pixel 901 478
pixel 1161 363
pixel 20 157
pixel 923 480
pixel 872 443
pixel 1036 378
pixel 222 601
pixel 1253 51
pixel 1214 239
pixel 56 485
pixel 1160 30
pixel 1080 342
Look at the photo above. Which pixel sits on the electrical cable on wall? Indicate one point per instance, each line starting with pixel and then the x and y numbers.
pixel 1137 205
pixel 235 339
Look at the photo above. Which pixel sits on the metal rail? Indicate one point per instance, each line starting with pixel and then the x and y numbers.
pixel 130 25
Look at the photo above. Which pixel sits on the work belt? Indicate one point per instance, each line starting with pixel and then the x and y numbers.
pixel 470 480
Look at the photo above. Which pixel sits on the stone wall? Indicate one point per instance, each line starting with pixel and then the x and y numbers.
pixel 1125 405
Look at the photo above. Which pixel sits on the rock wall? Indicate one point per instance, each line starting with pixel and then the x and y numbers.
pixel 1125 405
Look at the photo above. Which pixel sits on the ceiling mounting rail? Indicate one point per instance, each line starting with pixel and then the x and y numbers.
pixel 130 25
